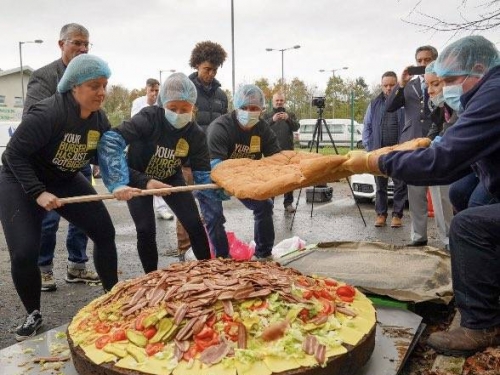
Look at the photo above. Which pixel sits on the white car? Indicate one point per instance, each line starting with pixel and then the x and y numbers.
pixel 364 188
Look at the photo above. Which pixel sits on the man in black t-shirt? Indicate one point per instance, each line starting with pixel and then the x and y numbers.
pixel 241 134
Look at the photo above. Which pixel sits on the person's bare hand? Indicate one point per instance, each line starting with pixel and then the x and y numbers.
pixel 126 193
pixel 276 117
pixel 48 201
pixel 155 184
pixel 405 77
pixel 284 116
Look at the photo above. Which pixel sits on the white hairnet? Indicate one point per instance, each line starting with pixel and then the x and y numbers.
pixel 177 87
pixel 249 95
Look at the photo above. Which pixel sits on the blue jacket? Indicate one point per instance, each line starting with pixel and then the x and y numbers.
pixel 372 130
pixel 473 140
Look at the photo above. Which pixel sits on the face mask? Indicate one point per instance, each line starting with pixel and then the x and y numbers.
pixel 178 121
pixel 438 100
pixel 246 118
pixel 452 95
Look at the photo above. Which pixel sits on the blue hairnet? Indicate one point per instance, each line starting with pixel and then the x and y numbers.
pixel 178 87
pixel 430 69
pixel 83 68
pixel 249 95
pixel 473 55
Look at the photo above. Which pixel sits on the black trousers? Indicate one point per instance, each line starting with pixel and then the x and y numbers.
pixel 184 208
pixel 22 217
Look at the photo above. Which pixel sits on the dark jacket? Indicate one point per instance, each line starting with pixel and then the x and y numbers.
pixel 473 139
pixel 283 128
pixel 372 129
pixel 43 83
pixel 210 104
pixel 439 123
pixel 417 112
pixel 52 143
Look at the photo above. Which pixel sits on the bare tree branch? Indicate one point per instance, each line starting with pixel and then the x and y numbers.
pixel 486 20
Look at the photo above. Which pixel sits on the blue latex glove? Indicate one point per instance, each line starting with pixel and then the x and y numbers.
pixel 436 140
pixel 203 177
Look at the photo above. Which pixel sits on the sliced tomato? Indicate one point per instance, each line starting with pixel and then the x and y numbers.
pixel 191 353
pixel 307 294
pixel 149 332
pixel 205 333
pixel 211 321
pixel 102 327
pixel 323 293
pixel 102 341
pixel 346 299
pixel 327 307
pixel 226 318
pixel 152 349
pixel 346 291
pixel 118 335
pixel 139 320
pixel 304 315
pixel 331 282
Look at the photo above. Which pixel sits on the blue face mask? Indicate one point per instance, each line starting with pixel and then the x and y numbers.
pixel 452 95
pixel 178 121
pixel 247 119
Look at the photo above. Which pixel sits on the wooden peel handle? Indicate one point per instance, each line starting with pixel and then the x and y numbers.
pixel 100 197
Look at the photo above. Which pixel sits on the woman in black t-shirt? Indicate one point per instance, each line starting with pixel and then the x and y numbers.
pixel 55 140
pixel 160 139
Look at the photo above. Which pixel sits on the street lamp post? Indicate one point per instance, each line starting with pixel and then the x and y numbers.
pixel 333 81
pixel 167 70
pixel 282 50
pixel 38 41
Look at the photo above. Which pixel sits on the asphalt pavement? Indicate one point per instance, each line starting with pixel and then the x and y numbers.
pixel 337 220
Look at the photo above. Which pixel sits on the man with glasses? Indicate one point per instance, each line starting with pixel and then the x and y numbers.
pixel 73 41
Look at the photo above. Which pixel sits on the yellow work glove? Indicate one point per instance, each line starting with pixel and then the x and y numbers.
pixel 361 162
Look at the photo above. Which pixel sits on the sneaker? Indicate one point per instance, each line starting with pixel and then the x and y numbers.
pixel 380 221
pixel 463 341
pixel 289 209
pixel 48 282
pixel 74 275
pixel 268 258
pixel 31 324
pixel 164 215
pixel 396 222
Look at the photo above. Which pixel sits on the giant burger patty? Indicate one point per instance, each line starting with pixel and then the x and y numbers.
pixel 289 170
pixel 224 317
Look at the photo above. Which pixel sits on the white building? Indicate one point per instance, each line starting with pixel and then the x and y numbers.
pixel 11 102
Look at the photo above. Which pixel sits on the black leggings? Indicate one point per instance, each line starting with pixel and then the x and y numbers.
pixel 21 219
pixel 184 207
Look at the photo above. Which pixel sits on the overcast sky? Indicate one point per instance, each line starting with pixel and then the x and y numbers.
pixel 138 38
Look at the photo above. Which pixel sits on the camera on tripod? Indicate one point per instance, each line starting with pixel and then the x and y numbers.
pixel 318 101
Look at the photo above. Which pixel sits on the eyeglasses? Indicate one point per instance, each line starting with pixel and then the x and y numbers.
pixel 79 43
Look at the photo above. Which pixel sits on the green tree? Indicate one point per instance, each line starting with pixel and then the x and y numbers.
pixel 297 97
pixel 118 104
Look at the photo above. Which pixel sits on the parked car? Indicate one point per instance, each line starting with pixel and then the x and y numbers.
pixel 340 129
pixel 364 188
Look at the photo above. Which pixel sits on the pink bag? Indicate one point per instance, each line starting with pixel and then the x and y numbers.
pixel 239 250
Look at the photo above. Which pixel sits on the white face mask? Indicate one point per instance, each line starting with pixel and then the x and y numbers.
pixel 438 100
pixel 178 121
pixel 247 119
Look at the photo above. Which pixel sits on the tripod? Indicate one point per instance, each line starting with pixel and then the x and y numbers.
pixel 316 138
